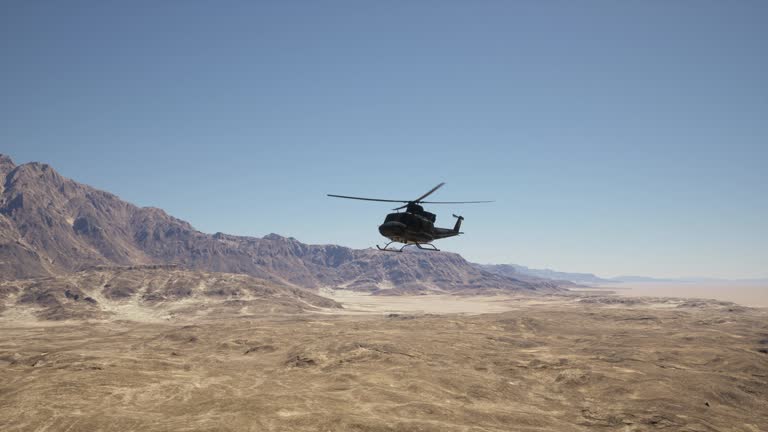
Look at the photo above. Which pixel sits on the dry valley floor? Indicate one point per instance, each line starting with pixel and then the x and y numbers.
pixel 562 364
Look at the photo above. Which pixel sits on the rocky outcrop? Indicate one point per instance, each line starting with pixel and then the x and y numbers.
pixel 152 292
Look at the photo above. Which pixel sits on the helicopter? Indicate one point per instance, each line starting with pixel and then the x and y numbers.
pixel 415 226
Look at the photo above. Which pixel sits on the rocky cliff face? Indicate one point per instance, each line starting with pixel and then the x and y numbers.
pixel 61 224
pixel 52 225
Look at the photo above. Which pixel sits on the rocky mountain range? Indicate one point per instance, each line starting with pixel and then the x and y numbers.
pixel 51 225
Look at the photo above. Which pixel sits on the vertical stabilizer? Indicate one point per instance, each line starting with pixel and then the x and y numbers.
pixel 457 227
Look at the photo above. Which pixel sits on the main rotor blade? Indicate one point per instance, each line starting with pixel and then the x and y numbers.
pixel 428 193
pixel 455 202
pixel 366 199
pixel 444 202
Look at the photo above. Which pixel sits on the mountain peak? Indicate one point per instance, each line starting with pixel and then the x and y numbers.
pixel 273 236
pixel 37 166
pixel 6 164
pixel 32 172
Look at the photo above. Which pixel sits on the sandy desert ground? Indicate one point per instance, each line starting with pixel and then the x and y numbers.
pixel 398 364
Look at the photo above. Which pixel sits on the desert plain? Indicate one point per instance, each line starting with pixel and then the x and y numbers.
pixel 576 362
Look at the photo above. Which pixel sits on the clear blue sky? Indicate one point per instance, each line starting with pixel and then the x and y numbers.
pixel 616 137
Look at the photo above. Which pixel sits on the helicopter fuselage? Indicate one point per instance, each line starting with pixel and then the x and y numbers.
pixel 408 228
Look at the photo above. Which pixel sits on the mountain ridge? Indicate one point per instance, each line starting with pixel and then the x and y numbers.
pixel 50 225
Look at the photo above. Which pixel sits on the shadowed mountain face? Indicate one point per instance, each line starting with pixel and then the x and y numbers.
pixel 52 225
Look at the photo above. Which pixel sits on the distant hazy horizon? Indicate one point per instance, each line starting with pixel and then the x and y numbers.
pixel 753 294
pixel 616 138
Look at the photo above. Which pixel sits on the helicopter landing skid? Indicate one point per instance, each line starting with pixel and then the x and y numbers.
pixel 386 248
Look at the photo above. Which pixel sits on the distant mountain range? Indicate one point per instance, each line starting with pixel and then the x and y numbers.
pixel 51 225
pixel 515 270
pixel 691 279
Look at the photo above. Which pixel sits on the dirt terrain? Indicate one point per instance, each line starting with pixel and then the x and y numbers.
pixel 546 364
